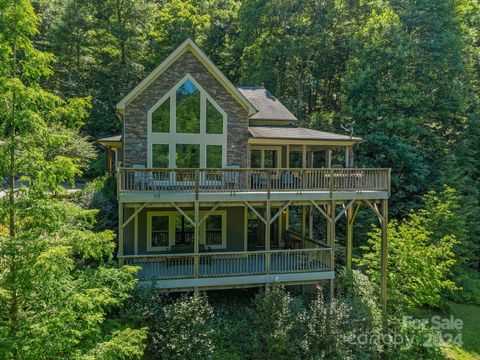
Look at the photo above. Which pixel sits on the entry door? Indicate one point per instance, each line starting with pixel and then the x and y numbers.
pixel 266 157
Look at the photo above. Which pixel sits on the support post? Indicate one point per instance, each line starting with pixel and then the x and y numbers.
pixel 245 228
pixel 328 158
pixel 310 221
pixel 304 224
pixel 120 234
pixel 196 239
pixel 383 264
pixel 135 232
pixel 349 227
pixel 304 156
pixel 331 242
pixel 267 236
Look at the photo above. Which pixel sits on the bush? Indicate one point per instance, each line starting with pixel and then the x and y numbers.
pixel 101 194
pixel 185 332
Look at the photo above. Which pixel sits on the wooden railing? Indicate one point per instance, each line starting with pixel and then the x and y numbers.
pixel 228 264
pixel 251 180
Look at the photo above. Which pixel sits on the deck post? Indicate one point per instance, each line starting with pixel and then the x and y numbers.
pixel 328 158
pixel 304 156
pixel 267 236
pixel 383 266
pixel 135 232
pixel 120 234
pixel 310 221
pixel 304 224
pixel 196 239
pixel 349 227
pixel 331 242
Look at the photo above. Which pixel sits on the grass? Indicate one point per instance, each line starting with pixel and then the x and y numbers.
pixel 470 316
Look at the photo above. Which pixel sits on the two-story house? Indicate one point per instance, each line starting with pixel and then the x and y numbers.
pixel 218 187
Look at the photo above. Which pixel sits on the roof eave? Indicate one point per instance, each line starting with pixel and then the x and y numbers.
pixel 188 44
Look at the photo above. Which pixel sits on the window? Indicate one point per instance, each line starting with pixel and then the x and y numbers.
pixel 184 231
pixel 158 231
pixel 214 120
pixel 214 156
pixel 214 230
pixel 188 108
pixel 188 156
pixel 189 122
pixel 169 228
pixel 161 118
pixel 160 155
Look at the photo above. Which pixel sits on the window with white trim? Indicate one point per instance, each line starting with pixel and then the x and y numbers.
pixel 187 129
pixel 169 228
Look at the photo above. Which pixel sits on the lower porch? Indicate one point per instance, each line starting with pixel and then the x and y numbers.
pixel 233 269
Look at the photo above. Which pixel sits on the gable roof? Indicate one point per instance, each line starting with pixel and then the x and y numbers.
pixel 268 106
pixel 187 45
pixel 297 133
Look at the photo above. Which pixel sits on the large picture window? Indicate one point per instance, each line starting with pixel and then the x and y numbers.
pixel 187 129
pixel 188 108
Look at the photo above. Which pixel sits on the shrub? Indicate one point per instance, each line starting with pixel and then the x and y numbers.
pixel 185 332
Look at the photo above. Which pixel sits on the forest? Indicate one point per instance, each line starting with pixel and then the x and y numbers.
pixel 405 74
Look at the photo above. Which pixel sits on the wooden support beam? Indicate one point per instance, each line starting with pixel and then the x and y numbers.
pixel 268 215
pixel 355 212
pixel 323 212
pixel 274 217
pixel 349 228
pixel 179 209
pixel 343 211
pixel 331 242
pixel 304 224
pixel 328 158
pixel 215 207
pixel 304 156
pixel 135 233
pixel 256 212
pixel 196 238
pixel 136 212
pixel 383 263
pixel 288 156
pixel 267 236
pixel 245 228
pixel 310 221
pixel 120 234
pixel 375 210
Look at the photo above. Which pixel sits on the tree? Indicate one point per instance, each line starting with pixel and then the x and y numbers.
pixel 176 21
pixel 56 282
pixel 421 254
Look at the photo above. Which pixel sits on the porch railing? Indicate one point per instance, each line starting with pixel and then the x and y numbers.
pixel 228 264
pixel 251 180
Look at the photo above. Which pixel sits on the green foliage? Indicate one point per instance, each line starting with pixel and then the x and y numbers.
pixel 277 325
pixel 57 284
pixel 421 253
pixel 274 323
pixel 185 332
pixel 100 194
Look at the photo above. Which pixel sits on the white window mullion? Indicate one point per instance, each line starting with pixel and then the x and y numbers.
pixel 173 111
pixel 203 113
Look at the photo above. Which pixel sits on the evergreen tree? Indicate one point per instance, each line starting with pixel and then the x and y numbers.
pixel 56 282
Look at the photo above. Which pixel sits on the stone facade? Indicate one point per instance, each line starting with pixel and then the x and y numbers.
pixel 135 119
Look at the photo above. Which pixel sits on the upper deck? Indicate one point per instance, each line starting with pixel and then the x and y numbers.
pixel 235 184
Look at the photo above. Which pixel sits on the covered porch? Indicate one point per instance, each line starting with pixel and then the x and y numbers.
pixel 232 269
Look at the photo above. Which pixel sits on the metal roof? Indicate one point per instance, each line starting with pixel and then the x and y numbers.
pixel 268 106
pixel 297 133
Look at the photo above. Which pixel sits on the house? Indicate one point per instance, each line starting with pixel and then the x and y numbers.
pixel 218 187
